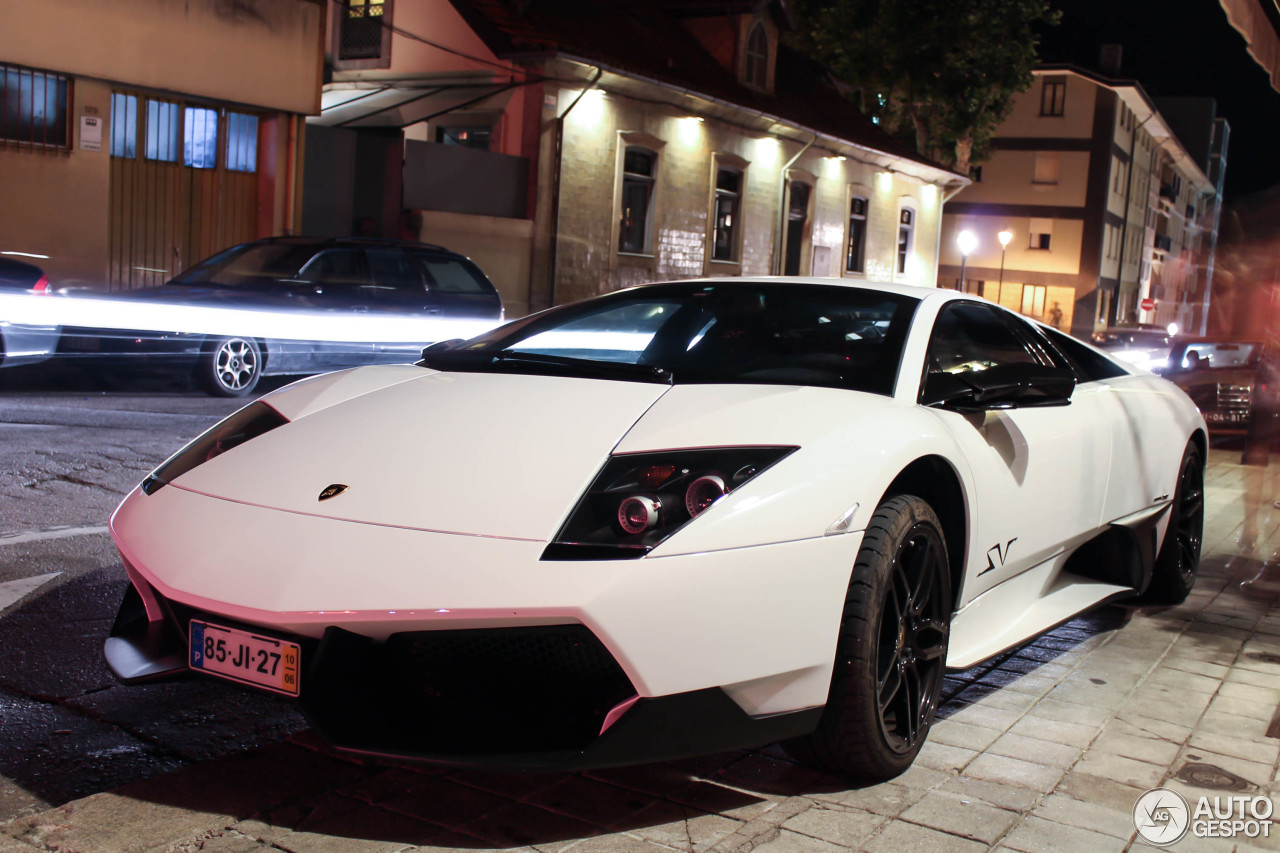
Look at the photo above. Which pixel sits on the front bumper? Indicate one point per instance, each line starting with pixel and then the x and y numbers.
pixel 548 664
pixel 539 698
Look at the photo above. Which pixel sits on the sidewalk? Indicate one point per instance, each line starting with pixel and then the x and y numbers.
pixel 1046 749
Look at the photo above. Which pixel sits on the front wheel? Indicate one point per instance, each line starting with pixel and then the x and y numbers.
pixel 1179 559
pixel 892 649
pixel 229 367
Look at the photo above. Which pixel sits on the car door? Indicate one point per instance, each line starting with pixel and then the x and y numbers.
pixel 1039 473
pixel 460 289
pixel 405 303
pixel 340 295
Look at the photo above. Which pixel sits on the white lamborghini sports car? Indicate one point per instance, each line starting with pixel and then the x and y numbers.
pixel 674 519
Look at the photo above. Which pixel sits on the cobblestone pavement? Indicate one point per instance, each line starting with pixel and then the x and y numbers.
pixel 1044 749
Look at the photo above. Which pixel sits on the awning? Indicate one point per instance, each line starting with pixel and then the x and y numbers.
pixel 1259 22
pixel 402 102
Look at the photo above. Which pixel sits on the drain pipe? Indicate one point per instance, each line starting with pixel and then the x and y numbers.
pixel 782 204
pixel 554 249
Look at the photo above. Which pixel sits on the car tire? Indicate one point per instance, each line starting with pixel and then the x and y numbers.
pixel 1178 561
pixel 892 649
pixel 230 366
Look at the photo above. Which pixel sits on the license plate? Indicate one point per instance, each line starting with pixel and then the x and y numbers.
pixel 1226 417
pixel 248 658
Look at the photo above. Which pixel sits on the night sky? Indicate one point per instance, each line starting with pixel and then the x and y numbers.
pixel 1182 49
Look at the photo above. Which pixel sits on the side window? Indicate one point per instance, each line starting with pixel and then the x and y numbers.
pixel 395 272
pixel 968 336
pixel 454 275
pixel 639 175
pixel 336 269
pixel 1089 365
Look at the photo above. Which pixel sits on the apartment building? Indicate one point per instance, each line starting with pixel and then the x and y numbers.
pixel 138 136
pixel 573 147
pixel 1091 212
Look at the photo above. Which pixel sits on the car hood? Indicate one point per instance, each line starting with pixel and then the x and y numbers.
pixel 468 453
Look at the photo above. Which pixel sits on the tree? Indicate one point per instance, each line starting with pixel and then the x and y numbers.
pixel 941 74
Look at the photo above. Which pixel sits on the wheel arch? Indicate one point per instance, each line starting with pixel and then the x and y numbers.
pixel 933 479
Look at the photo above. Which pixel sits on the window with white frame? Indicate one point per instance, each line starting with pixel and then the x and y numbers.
pixel 856 248
pixel 756 71
pixel 1041 232
pixel 33 107
pixel 635 216
pixel 906 231
pixel 727 215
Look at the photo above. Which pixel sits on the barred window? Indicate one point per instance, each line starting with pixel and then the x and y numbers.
pixel 361 29
pixel 33 107
pixel 124 125
pixel 162 131
pixel 200 138
pixel 242 142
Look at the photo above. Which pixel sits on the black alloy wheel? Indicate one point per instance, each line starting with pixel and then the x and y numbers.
pixel 892 649
pixel 1179 559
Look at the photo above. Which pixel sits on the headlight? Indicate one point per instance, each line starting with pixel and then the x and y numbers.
pixel 639 499
pixel 248 423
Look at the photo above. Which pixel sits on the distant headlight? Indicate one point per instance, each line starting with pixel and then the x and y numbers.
pixel 640 499
pixel 248 423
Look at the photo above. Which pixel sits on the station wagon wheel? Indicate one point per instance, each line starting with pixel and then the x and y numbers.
pixel 892 649
pixel 1178 562
pixel 229 367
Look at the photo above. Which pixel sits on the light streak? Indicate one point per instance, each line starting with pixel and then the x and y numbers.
pixel 103 312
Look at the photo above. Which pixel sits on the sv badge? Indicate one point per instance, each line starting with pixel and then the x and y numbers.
pixel 997 552
pixel 333 491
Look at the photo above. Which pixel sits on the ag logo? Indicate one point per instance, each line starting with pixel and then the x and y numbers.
pixel 1161 816
pixel 333 491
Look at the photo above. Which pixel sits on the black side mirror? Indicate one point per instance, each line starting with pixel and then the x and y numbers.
pixel 441 346
pixel 1005 386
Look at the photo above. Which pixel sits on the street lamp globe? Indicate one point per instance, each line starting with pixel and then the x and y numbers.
pixel 967 241
pixel 1005 237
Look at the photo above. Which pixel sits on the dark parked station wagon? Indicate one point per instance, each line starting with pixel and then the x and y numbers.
pixel 364 277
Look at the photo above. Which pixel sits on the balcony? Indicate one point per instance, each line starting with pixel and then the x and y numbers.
pixel 1168 191
pixel 1163 243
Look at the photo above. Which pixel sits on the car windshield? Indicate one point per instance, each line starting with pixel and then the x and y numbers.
pixel 771 333
pixel 250 266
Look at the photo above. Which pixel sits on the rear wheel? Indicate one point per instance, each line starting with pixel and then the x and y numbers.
pixel 892 649
pixel 229 367
pixel 1179 559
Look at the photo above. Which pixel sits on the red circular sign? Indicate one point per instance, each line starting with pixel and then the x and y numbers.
pixel 1148 305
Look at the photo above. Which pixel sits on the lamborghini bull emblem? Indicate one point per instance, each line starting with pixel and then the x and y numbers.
pixel 333 491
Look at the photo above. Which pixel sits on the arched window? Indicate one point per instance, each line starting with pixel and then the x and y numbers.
pixel 757 69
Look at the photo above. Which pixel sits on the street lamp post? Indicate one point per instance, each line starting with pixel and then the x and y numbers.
pixel 967 243
pixel 1005 237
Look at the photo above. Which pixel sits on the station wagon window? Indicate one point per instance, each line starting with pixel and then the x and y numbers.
pixel 452 275
pixel 395 270
pixel 335 267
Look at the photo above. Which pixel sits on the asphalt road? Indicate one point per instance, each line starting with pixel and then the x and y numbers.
pixel 71 446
